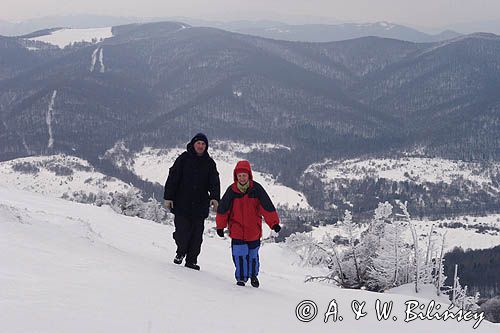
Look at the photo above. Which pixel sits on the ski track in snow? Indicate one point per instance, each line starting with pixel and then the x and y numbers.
pixel 101 61
pixel 94 59
pixel 50 112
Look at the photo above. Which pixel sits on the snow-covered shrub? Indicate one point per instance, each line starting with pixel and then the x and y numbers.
pixel 154 211
pixel 59 170
pixel 129 203
pixel 103 198
pixel 80 197
pixel 377 258
pixel 25 167
pixel 459 296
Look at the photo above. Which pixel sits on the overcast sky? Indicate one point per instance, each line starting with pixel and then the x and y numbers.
pixel 425 13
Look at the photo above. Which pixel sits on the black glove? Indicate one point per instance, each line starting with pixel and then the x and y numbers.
pixel 220 232
pixel 276 227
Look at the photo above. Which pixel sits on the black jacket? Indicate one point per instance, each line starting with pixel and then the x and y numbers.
pixel 192 182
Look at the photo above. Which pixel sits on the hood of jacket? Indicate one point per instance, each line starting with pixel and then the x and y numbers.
pixel 242 166
pixel 197 137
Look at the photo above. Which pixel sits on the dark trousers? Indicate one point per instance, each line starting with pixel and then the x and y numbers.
pixel 188 236
pixel 245 258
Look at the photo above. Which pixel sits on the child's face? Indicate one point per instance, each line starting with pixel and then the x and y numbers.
pixel 242 178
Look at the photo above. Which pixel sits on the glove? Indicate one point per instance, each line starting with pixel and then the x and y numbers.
pixel 276 228
pixel 169 204
pixel 214 203
pixel 220 232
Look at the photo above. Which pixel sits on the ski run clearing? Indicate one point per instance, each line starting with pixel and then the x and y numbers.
pixel 68 267
pixel 97 53
pixel 49 117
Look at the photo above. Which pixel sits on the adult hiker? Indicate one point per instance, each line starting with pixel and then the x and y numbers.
pixel 192 186
pixel 241 209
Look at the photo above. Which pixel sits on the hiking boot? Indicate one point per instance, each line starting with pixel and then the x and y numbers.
pixel 192 266
pixel 178 259
pixel 254 282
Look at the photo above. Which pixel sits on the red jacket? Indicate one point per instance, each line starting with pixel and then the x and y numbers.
pixel 243 212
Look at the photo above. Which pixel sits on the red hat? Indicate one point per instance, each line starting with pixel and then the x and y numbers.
pixel 242 167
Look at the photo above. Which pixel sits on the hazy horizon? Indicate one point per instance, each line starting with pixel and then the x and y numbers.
pixel 425 13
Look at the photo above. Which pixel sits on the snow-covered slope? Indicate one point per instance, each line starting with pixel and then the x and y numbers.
pixel 153 164
pixel 55 175
pixel 465 231
pixel 64 37
pixel 465 235
pixel 68 267
pixel 416 169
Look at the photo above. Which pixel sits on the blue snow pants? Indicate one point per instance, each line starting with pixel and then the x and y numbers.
pixel 245 258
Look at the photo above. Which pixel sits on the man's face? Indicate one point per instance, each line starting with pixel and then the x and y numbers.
pixel 242 178
pixel 199 147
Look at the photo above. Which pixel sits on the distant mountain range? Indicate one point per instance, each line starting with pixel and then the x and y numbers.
pixel 157 84
pixel 492 26
pixel 265 28
pixel 338 32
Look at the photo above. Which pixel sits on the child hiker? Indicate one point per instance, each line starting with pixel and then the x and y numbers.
pixel 241 210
